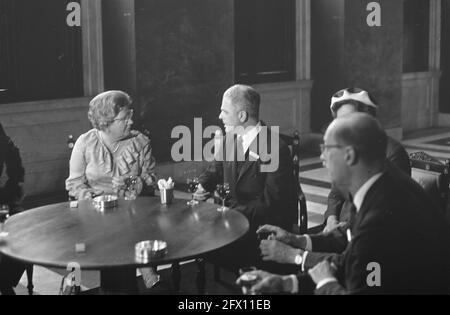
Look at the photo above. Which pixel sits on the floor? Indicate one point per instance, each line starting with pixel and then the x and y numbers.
pixel 316 186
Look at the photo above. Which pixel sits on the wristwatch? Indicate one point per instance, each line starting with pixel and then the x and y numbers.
pixel 298 258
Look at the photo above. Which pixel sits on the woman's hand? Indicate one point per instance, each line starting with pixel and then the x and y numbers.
pixel 118 182
pixel 89 193
pixel 201 194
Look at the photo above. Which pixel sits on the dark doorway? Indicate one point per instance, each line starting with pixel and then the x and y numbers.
pixel 444 95
pixel 327 33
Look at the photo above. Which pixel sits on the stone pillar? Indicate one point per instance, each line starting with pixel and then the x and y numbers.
pixel 184 63
pixel 348 52
pixel 91 23
pixel 435 58
pixel 373 56
pixel 303 39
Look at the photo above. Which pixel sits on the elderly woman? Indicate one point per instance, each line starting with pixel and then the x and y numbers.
pixel 106 155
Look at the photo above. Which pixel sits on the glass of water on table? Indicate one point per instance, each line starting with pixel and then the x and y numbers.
pixel 4 215
pixel 248 279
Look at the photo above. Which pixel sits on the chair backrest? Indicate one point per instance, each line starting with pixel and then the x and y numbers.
pixel 432 175
pixel 301 226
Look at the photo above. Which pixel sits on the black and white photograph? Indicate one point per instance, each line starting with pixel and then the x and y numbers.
pixel 224 152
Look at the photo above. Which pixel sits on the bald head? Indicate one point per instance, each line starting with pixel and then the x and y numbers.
pixel 362 132
pixel 245 98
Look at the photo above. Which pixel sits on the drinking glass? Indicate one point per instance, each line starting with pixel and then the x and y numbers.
pixel 192 184
pixel 248 279
pixel 224 191
pixel 130 188
pixel 4 214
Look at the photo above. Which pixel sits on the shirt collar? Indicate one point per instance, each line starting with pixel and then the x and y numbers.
pixel 250 135
pixel 362 191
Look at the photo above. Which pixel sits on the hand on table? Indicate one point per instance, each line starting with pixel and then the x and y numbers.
pixel 272 250
pixel 267 283
pixel 276 232
pixel 201 194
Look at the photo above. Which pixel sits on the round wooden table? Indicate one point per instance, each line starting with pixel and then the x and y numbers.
pixel 48 235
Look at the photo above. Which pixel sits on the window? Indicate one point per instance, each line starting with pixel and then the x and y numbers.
pixel 444 82
pixel 416 35
pixel 40 55
pixel 265 40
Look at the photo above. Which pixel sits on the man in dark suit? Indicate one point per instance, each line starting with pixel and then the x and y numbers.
pixel 10 195
pixel 255 162
pixel 344 102
pixel 399 241
pixel 337 216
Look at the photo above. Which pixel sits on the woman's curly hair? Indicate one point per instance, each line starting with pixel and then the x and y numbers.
pixel 106 106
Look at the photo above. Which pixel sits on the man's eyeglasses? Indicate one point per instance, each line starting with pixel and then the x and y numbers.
pixel 323 146
pixel 127 117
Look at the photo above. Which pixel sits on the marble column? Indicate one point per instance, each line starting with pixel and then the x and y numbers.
pixel 373 56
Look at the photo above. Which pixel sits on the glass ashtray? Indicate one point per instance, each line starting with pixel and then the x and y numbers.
pixel 147 250
pixel 105 201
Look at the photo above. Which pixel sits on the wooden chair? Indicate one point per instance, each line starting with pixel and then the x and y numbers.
pixel 432 175
pixel 301 226
pixel 30 286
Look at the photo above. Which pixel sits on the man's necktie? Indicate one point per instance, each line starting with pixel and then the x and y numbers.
pixel 240 153
pixel 351 222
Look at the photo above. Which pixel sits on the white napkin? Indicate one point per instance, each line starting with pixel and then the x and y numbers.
pixel 166 184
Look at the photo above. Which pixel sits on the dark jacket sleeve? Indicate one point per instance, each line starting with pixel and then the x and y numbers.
pixel 212 176
pixel 334 203
pixel 333 242
pixel 397 154
pixel 276 204
pixel 314 258
pixel 11 192
pixel 307 286
pixel 13 161
pixel 353 274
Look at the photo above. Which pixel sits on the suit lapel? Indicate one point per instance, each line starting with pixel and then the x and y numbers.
pixel 248 163
pixel 255 144
pixel 245 167
pixel 368 201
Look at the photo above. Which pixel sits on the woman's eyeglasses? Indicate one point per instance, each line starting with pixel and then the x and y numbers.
pixel 127 117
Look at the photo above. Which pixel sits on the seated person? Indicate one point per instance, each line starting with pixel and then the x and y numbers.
pixel 345 102
pixel 106 155
pixel 337 216
pixel 263 196
pixel 399 242
pixel 11 195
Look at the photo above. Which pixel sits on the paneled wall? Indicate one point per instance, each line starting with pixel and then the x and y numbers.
pixel 40 130
pixel 184 63
pixel 286 105
pixel 419 103
pixel 175 58
pixel 348 52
